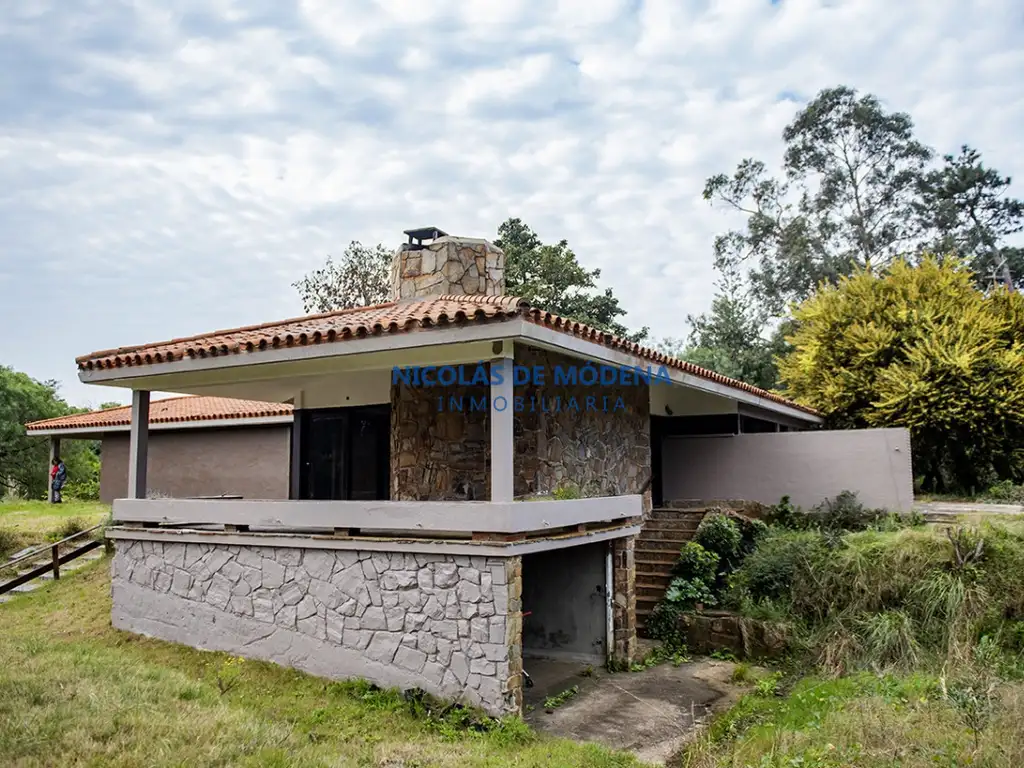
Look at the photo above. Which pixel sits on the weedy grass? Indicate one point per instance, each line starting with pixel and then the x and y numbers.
pixel 75 692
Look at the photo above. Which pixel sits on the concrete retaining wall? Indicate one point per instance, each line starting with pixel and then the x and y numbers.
pixel 806 466
pixel 448 624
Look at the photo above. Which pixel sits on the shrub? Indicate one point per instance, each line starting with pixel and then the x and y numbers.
pixel 769 572
pixel 843 513
pixel 10 542
pixel 695 562
pixel 69 527
pixel 1007 492
pixel 663 625
pixel 688 592
pixel 786 515
pixel 720 534
pixel 567 492
pixel 83 490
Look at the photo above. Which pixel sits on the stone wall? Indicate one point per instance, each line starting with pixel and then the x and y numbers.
pixel 448 266
pixel 604 450
pixel 437 451
pixel 447 624
pixel 712 631
pixel 601 447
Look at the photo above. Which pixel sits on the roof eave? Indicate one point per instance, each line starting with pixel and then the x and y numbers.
pixel 513 328
pixel 89 433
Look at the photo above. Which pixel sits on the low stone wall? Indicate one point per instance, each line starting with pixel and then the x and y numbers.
pixel 448 624
pixel 724 631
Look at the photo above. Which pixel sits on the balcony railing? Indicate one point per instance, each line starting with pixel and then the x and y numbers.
pixel 461 519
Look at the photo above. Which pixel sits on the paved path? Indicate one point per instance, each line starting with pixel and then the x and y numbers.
pixel 650 713
pixel 943 509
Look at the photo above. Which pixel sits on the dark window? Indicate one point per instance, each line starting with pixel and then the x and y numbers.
pixel 344 453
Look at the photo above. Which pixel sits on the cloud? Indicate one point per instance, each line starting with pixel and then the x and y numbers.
pixel 171 167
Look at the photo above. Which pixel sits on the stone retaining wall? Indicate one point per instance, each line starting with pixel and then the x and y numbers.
pixel 712 631
pixel 447 624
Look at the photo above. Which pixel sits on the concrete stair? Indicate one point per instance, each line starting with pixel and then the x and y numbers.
pixel 657 549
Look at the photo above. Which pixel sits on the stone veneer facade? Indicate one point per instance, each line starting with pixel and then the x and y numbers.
pixel 439 452
pixel 448 266
pixel 447 624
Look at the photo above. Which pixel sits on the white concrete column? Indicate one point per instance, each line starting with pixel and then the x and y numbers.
pixel 138 445
pixel 54 454
pixel 502 440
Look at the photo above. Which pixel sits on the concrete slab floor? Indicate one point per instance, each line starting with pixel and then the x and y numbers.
pixel 650 713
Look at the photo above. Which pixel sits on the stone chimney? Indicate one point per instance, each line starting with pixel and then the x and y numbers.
pixel 434 263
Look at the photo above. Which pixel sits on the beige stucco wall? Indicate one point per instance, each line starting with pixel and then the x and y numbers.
pixel 806 466
pixel 248 461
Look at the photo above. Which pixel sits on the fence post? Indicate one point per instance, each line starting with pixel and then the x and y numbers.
pixel 56 563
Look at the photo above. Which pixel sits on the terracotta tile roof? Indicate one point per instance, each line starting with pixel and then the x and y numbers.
pixel 187 408
pixel 391 318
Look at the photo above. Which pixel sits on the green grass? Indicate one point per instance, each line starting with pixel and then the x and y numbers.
pixel 75 692
pixel 864 721
pixel 28 523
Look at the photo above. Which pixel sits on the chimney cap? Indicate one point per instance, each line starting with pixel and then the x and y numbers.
pixel 417 236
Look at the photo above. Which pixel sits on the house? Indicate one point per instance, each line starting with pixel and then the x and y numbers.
pixel 198 446
pixel 468 476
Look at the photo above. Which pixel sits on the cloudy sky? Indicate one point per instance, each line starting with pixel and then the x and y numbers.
pixel 170 167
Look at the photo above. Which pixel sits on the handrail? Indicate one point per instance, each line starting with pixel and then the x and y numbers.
pixel 44 547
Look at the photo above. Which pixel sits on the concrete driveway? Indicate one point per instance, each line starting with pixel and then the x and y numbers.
pixel 650 713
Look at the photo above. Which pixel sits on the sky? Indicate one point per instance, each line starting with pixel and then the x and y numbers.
pixel 169 167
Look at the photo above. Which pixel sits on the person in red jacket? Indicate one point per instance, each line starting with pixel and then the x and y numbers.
pixel 58 477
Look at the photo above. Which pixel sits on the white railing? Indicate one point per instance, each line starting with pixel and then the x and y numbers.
pixel 428 517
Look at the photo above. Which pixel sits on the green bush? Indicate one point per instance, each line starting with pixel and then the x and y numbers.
pixel 695 562
pixel 83 490
pixel 720 534
pixel 69 527
pixel 688 592
pixel 1007 492
pixel 10 542
pixel 769 572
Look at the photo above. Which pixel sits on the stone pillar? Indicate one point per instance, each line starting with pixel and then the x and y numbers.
pixel 624 605
pixel 448 266
pixel 513 687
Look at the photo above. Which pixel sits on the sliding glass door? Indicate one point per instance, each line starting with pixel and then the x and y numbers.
pixel 344 453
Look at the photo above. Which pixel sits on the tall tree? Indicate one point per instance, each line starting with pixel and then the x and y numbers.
pixel 730 340
pixel 856 191
pixel 24 458
pixel 963 209
pixel 851 173
pixel 359 279
pixel 551 277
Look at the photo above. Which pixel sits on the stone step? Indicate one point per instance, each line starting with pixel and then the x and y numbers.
pixel 650 532
pixel 655 558
pixel 653 578
pixel 653 591
pixel 676 514
pixel 671 523
pixel 650 545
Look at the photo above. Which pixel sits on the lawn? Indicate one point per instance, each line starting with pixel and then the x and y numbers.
pixel 75 692
pixel 27 523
